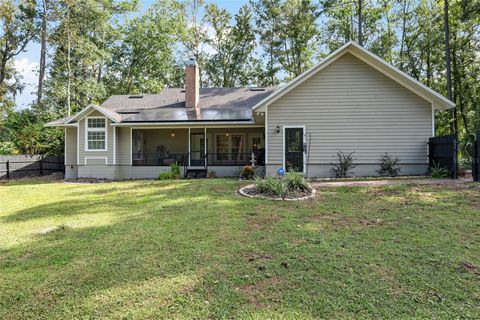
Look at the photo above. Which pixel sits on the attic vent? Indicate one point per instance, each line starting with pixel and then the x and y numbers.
pixel 257 89
pixel 135 97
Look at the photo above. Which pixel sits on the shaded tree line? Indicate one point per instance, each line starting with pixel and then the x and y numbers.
pixel 92 49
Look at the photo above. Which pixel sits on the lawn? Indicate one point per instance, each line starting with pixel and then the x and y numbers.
pixel 194 249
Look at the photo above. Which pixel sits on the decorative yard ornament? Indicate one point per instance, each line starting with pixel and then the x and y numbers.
pixel 281 171
pixel 253 160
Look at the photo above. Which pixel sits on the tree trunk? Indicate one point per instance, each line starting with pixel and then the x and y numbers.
pixel 360 35
pixel 68 63
pixel 453 124
pixel 43 51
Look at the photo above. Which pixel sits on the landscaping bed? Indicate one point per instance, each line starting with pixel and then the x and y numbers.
pixel 295 195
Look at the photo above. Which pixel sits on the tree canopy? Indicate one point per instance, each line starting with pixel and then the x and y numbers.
pixel 92 49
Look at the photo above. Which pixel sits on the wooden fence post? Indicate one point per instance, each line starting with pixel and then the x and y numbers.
pixel 8 169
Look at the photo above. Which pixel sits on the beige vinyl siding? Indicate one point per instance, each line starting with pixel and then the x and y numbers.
pixel 70 146
pixel 352 107
pixel 123 146
pixel 95 154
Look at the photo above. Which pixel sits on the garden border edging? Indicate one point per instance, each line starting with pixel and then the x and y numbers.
pixel 243 193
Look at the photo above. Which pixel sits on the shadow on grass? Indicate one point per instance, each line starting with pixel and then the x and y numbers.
pixel 101 270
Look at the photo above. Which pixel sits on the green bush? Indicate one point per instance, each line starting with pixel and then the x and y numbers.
pixel 174 172
pixel 8 148
pixel 296 181
pixel 343 165
pixel 291 182
pixel 248 172
pixel 438 172
pixel 388 166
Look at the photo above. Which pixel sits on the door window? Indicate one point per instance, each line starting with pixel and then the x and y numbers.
pixel 294 149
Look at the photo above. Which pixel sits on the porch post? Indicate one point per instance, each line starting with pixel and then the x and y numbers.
pixel 205 144
pixel 189 146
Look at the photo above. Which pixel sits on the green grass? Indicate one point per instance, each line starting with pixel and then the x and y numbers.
pixel 194 249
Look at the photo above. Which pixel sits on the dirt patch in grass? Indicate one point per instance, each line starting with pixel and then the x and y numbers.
pixel 470 267
pixel 338 220
pixel 263 292
pixel 387 276
pixel 262 221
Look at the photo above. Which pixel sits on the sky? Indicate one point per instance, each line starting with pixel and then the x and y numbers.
pixel 27 62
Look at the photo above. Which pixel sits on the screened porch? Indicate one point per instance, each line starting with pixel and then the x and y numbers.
pixel 198 147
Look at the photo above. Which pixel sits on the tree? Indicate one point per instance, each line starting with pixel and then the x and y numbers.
pixel 80 36
pixel 268 27
pixel 230 63
pixel 17 30
pixel 298 36
pixel 43 50
pixel 144 60
pixel 447 64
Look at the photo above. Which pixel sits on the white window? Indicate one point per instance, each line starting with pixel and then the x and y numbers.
pixel 96 134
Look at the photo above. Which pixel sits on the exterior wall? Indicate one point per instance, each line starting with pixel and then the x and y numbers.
pixel 152 172
pixel 100 164
pixel 123 147
pixel 83 154
pixel 97 171
pixel 350 106
pixel 71 169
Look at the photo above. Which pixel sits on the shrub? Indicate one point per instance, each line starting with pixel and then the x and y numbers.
pixel 438 172
pixel 165 175
pixel 8 148
pixel 248 172
pixel 174 172
pixel 388 166
pixel 296 181
pixel 292 181
pixel 343 165
pixel 175 169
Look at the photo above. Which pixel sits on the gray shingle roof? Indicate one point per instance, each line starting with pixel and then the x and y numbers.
pixel 215 104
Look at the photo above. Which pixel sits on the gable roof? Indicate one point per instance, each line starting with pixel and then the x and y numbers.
pixel 438 101
pixel 112 115
pixel 215 104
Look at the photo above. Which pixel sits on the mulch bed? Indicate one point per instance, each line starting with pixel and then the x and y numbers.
pixel 251 192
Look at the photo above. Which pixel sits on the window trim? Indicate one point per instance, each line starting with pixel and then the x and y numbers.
pixel 87 129
pixel 230 144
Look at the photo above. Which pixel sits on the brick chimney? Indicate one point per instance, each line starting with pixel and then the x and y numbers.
pixel 191 84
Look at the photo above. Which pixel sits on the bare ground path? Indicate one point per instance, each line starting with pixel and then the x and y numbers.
pixel 389 182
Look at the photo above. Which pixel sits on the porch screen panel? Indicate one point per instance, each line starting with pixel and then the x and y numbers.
pixel 222 147
pixel 238 147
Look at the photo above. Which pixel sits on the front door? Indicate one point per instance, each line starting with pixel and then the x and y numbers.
pixel 293 149
pixel 197 149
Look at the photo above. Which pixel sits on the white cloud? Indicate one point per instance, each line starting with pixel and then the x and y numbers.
pixel 28 70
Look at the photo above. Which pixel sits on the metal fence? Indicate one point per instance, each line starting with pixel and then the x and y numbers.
pixel 442 152
pixel 476 158
pixel 18 166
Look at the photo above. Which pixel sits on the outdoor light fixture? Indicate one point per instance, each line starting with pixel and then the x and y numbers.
pixel 172 134
pixel 226 133
pixel 278 129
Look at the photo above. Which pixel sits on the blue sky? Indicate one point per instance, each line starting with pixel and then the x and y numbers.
pixel 27 62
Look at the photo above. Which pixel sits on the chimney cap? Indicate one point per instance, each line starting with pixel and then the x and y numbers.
pixel 191 62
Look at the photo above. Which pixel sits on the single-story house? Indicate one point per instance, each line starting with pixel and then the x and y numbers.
pixel 351 101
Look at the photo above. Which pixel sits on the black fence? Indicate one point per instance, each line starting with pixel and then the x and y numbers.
pixel 19 166
pixel 476 158
pixel 442 152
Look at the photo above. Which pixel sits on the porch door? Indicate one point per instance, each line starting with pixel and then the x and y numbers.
pixel 293 149
pixel 197 149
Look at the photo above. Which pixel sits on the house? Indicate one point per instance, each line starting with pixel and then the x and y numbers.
pixel 351 101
